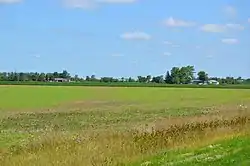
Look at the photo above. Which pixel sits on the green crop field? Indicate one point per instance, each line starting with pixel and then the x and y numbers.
pixel 74 125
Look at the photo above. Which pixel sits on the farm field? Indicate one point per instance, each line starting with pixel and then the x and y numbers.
pixel 65 125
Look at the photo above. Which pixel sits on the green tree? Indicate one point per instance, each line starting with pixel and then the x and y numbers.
pixel 106 79
pixel 175 74
pixel 168 78
pixel 64 74
pixel 56 75
pixel 148 78
pixel 42 77
pixel 142 79
pixel 49 76
pixel 88 78
pixel 93 78
pixel 4 76
pixel 130 79
pixel 203 76
pixel 186 74
pixel 76 78
pixel 158 79
pixel 122 79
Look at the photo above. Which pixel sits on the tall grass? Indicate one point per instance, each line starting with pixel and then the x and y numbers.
pixel 118 148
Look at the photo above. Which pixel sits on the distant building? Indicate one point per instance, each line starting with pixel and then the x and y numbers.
pixel 213 82
pixel 61 80
pixel 209 82
pixel 196 82
pixel 240 81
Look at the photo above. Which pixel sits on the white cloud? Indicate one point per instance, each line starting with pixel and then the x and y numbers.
pixel 171 22
pixel 85 4
pixel 218 28
pixel 167 53
pixel 230 11
pixel 215 28
pixel 235 26
pixel 9 1
pixel 171 44
pixel 230 41
pixel 135 36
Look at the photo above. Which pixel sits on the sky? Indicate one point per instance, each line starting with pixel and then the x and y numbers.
pixel 123 38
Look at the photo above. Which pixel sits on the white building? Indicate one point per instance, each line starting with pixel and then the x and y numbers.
pixel 61 80
pixel 213 82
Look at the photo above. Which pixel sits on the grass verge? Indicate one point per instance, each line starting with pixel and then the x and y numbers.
pixel 230 152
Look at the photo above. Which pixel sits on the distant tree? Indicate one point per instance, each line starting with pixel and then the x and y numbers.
pixel 230 80
pixel 3 76
pixel 247 81
pixel 55 75
pixel 115 80
pixel 93 78
pixel 158 79
pixel 88 78
pixel 175 74
pixel 106 79
pixel 186 74
pixel 76 78
pixel 142 79
pixel 42 77
pixel 168 78
pixel 203 76
pixel 131 79
pixel 23 76
pixel 148 78
pixel 49 76
pixel 64 74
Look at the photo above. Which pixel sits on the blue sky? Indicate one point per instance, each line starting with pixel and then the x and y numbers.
pixel 125 37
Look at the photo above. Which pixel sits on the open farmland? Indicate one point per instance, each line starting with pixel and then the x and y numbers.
pixel 43 125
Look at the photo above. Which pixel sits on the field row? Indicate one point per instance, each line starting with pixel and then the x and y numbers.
pixel 125 84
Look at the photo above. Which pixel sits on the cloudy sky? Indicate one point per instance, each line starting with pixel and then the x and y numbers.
pixel 125 37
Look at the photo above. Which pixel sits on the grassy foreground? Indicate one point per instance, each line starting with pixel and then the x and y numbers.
pixel 43 125
pixel 234 151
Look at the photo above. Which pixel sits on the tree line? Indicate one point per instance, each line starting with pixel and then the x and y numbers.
pixel 177 75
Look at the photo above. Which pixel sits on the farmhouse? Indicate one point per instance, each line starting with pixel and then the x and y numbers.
pixel 61 80
pixel 209 82
pixel 196 81
pixel 213 82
